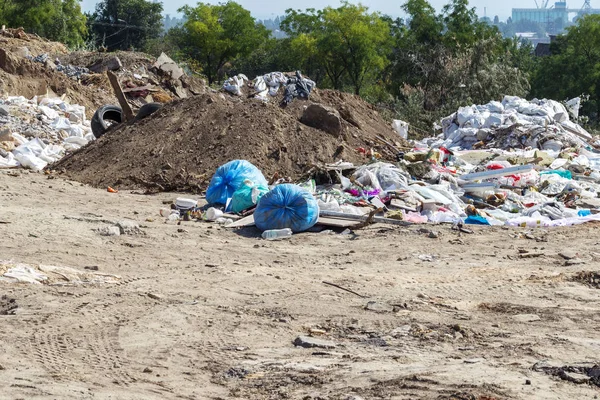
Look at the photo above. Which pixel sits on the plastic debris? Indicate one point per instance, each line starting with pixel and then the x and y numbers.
pixel 40 131
pixel 287 206
pixel 229 178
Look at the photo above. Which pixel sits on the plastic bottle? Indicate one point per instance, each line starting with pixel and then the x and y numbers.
pixel 277 234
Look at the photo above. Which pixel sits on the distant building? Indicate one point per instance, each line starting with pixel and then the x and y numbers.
pixel 559 12
pixel 542 50
pixel 554 18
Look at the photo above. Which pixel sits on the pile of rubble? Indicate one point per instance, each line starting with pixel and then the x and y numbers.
pixel 71 71
pixel 38 132
pixel 516 163
pixel 513 123
pixel 144 79
pixel 180 147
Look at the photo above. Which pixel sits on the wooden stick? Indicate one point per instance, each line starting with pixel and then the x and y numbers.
pixel 114 82
pixel 368 221
pixel 343 288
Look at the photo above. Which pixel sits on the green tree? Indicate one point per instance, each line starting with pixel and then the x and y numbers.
pixel 126 24
pixel 215 35
pixel 424 25
pixel 573 68
pixel 462 26
pixel 360 40
pixel 348 42
pixel 307 45
pixel 444 61
pixel 58 20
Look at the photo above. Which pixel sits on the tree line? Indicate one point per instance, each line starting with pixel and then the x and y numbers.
pixel 418 68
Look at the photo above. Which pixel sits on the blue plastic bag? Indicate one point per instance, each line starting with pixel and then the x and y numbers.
pixel 247 196
pixel 229 178
pixel 476 220
pixel 287 206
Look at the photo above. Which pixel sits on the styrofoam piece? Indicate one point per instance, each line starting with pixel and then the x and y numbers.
pixel 498 173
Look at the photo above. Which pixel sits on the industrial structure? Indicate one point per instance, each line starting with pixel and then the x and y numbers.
pixel 558 15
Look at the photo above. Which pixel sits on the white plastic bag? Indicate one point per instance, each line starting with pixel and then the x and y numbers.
pixel 401 128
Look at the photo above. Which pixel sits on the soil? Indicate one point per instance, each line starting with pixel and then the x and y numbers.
pixel 131 60
pixel 22 77
pixel 202 312
pixel 181 146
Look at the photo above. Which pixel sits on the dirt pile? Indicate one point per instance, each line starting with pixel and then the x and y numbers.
pixel 20 76
pixel 144 78
pixel 28 68
pixel 180 147
pixel 15 40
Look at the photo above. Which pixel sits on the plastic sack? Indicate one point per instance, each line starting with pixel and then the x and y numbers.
pixel 382 176
pixel 229 178
pixel 260 86
pixel 247 196
pixel 287 206
pixel 234 85
pixel 401 128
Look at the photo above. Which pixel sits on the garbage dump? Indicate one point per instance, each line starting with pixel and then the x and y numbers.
pixel 38 132
pixel 516 163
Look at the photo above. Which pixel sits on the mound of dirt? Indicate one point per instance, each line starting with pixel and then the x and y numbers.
pixel 15 40
pixel 142 80
pixel 130 59
pixel 22 77
pixel 181 146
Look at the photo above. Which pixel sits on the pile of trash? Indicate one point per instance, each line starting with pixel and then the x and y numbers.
pixel 71 71
pixel 143 78
pixel 514 123
pixel 38 132
pixel 515 163
pixel 265 86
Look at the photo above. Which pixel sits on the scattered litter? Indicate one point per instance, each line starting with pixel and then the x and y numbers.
pixel 40 131
pixel 12 272
pixel 72 71
pixel 580 373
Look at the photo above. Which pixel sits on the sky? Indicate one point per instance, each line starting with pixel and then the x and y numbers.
pixel 390 7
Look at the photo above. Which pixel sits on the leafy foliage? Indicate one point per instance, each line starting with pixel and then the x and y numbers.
pixel 573 68
pixel 58 20
pixel 126 24
pixel 449 60
pixel 350 44
pixel 215 35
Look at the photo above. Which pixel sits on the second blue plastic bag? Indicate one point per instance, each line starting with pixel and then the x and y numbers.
pixel 229 178
pixel 287 206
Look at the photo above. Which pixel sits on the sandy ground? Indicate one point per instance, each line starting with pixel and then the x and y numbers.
pixel 201 312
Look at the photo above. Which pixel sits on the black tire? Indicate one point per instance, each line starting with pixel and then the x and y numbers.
pixel 104 118
pixel 147 110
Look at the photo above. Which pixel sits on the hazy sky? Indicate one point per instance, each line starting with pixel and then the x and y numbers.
pixel 391 7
